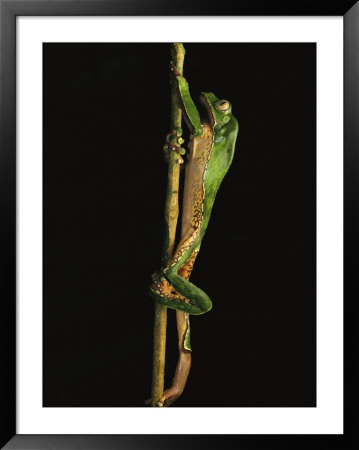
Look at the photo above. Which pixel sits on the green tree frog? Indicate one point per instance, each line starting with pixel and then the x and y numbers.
pixel 210 153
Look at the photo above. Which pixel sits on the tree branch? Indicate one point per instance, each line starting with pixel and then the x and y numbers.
pixel 171 216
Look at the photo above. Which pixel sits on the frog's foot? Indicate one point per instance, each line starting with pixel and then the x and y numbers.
pixel 170 396
pixel 174 142
pixel 156 276
pixel 163 401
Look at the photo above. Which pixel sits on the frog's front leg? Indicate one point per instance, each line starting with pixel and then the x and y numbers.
pixel 173 142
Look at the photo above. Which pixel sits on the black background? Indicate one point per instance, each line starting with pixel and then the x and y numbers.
pixel 106 113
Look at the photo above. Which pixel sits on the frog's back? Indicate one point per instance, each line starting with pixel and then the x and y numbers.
pixel 221 159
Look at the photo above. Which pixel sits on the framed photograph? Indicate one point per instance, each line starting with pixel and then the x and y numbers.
pixel 87 142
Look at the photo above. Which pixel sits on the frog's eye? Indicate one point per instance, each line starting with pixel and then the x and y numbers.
pixel 222 105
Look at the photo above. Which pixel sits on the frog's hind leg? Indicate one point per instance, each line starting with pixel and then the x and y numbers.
pixel 191 298
pixel 184 348
pixel 183 364
pixel 175 291
pixel 165 293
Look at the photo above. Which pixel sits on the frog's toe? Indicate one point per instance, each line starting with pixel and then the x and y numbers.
pixel 159 404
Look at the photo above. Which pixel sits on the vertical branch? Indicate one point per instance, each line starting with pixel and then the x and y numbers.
pixel 171 216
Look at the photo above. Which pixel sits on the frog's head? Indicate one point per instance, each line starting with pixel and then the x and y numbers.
pixel 225 128
pixel 220 111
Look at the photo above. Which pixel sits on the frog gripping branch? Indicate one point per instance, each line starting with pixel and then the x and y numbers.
pixel 210 152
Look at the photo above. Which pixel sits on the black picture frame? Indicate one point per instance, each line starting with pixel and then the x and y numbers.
pixel 9 10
